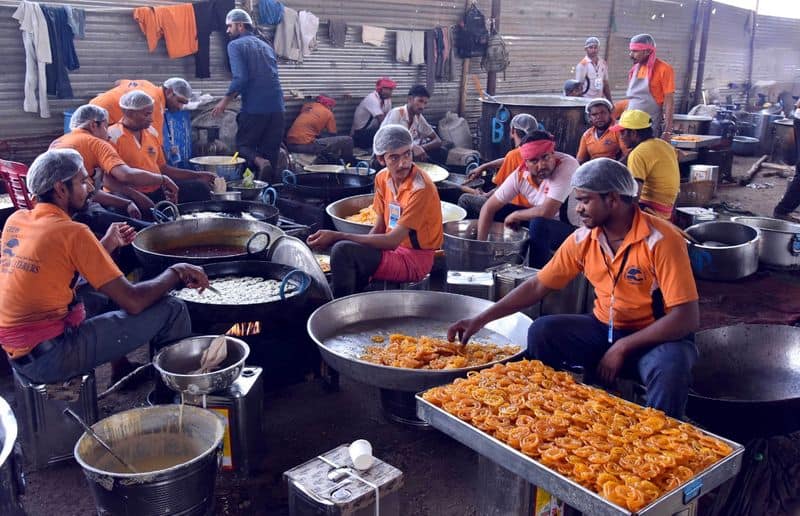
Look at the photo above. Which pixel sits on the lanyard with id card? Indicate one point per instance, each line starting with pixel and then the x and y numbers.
pixel 614 281
pixel 394 214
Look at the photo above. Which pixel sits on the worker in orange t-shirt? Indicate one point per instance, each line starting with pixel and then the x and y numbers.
pixel 651 85
pixel 521 126
pixel 45 331
pixel 408 229
pixel 314 132
pixel 646 307
pixel 598 141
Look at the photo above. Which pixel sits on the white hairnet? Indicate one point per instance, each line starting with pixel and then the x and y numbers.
pixel 53 167
pixel 87 114
pixel 524 123
pixel 179 86
pixel 646 39
pixel 599 102
pixel 604 175
pixel 238 16
pixel 390 137
pixel 135 100
pixel 591 41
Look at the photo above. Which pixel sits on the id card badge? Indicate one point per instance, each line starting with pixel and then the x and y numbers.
pixel 598 83
pixel 394 215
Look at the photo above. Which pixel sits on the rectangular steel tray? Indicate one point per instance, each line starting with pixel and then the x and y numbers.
pixel 565 489
pixel 705 141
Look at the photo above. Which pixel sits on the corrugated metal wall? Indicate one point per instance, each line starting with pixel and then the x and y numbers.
pixel 727 56
pixel 777 55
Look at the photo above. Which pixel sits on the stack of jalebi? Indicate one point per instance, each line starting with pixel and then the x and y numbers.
pixel 364 216
pixel 430 353
pixel 628 454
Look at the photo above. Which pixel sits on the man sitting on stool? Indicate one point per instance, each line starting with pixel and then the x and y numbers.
pixel 306 133
pixel 44 331
pixel 543 179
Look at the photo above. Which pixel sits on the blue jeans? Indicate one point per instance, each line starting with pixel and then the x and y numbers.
pixel 106 337
pixel 546 236
pixel 581 340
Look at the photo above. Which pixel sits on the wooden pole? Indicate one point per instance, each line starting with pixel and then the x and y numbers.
pixel 491 78
pixel 701 59
pixel 687 81
pixel 749 85
pixel 462 88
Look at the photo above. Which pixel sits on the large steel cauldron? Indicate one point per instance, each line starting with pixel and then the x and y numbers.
pixel 563 116
pixel 149 438
pixel 464 252
pixel 727 251
pixel 746 382
pixel 12 484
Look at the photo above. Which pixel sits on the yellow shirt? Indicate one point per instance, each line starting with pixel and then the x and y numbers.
pixel 655 163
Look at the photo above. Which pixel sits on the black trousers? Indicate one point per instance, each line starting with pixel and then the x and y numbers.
pixel 260 135
pixel 209 17
pixel 791 199
pixel 352 265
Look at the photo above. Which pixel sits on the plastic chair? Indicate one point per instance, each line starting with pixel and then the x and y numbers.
pixel 13 175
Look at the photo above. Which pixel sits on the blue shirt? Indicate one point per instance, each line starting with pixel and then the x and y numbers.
pixel 255 75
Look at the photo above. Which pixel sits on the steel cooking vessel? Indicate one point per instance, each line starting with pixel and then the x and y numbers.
pixel 176 361
pixel 231 209
pixel 729 250
pixel 463 252
pixel 12 484
pixel 224 166
pixel 327 186
pixel 783 147
pixel 780 240
pixel 691 124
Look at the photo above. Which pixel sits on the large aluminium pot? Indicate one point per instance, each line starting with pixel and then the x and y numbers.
pixel 147 438
pixel 780 240
pixel 565 117
pixel 11 480
pixel 728 250
pixel 220 239
pixel 746 382
pixel 783 147
pixel 464 252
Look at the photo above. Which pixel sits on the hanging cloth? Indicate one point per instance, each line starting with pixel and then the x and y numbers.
pixel 309 24
pixel 36 40
pixel 372 35
pixel 337 32
pixel 288 39
pixel 270 12
pixel 63 50
pixel 210 17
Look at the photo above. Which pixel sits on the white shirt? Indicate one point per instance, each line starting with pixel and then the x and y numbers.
pixel 596 74
pixel 555 187
pixel 421 131
pixel 370 107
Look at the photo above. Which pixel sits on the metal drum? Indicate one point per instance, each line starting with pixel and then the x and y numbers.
pixel 728 250
pixel 565 117
pixel 463 252
pixel 780 240
pixel 176 450
pixel 783 148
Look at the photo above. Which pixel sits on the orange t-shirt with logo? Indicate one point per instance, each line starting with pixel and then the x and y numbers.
pixel 657 259
pixel 110 101
pixel 609 145
pixel 309 124
pixel 420 207
pixel 146 155
pixel 663 81
pixel 43 251
pixel 511 162
pixel 96 153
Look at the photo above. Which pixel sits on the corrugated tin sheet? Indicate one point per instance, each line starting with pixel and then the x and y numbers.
pixel 777 55
pixel 727 53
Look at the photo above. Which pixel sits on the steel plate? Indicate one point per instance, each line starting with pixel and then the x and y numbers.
pixel 435 172
pixel 343 328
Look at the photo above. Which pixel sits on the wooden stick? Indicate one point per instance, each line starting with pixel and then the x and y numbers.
pixel 751 174
pixel 776 166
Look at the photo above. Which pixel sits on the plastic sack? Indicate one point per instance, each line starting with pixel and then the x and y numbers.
pixel 454 128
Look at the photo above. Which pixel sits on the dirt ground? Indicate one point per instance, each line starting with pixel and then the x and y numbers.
pixel 304 420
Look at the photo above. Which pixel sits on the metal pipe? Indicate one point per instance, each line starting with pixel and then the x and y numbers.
pixel 750 56
pixel 701 60
pixel 611 23
pixel 462 88
pixel 491 78
pixel 687 81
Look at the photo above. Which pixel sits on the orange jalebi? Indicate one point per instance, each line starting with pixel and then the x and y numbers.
pixel 628 454
pixel 431 353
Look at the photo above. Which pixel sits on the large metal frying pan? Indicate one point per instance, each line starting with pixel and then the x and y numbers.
pixel 343 328
pixel 327 186
pixel 230 209
pixel 746 382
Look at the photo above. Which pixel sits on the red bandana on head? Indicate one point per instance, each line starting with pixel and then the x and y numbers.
pixel 651 61
pixel 536 149
pixel 326 101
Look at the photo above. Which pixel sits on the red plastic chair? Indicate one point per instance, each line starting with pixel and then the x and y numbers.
pixel 13 175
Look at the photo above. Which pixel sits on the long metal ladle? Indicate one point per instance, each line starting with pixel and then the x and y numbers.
pixel 96 437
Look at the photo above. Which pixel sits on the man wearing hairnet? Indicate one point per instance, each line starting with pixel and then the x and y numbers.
pixel 592 72
pixel 136 141
pixel 47 335
pixel 646 307
pixel 255 79
pixel 407 230
pixel 89 136
pixel 172 95
pixel 598 141
pixel 474 199
pixel 651 85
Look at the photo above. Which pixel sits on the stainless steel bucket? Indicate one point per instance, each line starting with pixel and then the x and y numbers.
pixel 145 437
pixel 780 240
pixel 463 252
pixel 729 250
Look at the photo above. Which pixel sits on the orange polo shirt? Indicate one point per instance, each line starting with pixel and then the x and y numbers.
pixel 42 250
pixel 663 81
pixel 309 124
pixel 609 145
pixel 511 162
pixel 146 155
pixel 110 101
pixel 96 153
pixel 657 259
pixel 420 207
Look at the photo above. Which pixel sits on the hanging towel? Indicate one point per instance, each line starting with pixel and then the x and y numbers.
pixel 77 21
pixel 270 12
pixel 146 17
pixel 402 52
pixel 210 17
pixel 176 23
pixel 417 47
pixel 36 40
pixel 337 32
pixel 288 39
pixel 309 24
pixel 372 35
pixel 63 49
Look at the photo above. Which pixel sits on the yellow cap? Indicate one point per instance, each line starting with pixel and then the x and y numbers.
pixel 633 119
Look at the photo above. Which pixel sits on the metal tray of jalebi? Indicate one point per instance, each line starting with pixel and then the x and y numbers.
pixel 694 141
pixel 344 327
pixel 569 491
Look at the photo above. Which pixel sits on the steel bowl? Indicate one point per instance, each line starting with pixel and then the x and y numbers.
pixel 728 250
pixel 176 361
pixel 343 208
pixel 464 252
pixel 248 193
pixel 231 195
pixel 343 328
pixel 224 166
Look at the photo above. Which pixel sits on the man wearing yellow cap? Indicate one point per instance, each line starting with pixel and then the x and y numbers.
pixel 652 162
